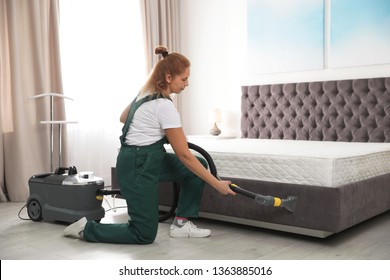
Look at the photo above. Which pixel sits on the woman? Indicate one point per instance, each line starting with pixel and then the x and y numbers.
pixel 149 122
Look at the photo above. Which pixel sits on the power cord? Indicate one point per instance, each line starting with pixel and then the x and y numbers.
pixel 20 211
pixel 113 202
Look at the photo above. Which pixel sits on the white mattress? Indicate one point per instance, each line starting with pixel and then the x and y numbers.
pixel 328 164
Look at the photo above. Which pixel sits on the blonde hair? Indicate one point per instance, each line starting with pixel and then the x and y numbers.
pixel 172 63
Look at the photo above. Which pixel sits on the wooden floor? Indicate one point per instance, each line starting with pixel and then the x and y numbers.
pixel 28 240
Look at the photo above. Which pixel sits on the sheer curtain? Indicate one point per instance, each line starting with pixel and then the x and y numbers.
pixel 103 68
pixel 29 65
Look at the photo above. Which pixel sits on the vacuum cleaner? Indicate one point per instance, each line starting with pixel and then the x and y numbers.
pixel 68 196
pixel 65 195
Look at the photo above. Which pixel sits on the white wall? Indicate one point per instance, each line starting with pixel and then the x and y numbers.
pixel 213 37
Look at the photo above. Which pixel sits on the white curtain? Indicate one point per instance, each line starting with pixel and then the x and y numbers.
pixel 103 68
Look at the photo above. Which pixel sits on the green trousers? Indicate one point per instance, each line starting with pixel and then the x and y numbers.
pixel 139 171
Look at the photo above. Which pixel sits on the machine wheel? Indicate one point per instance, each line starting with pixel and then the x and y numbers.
pixel 34 210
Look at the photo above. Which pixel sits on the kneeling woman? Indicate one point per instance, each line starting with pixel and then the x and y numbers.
pixel 149 122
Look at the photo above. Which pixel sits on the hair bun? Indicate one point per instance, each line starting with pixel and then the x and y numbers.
pixel 161 50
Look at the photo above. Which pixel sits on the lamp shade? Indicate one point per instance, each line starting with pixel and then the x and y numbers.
pixel 214 115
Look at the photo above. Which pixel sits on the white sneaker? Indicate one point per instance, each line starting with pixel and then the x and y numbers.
pixel 76 229
pixel 188 230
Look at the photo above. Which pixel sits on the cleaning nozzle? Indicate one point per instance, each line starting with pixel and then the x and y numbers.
pixel 267 200
pixel 290 203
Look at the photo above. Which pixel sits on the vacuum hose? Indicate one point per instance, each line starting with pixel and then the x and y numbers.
pixel 289 203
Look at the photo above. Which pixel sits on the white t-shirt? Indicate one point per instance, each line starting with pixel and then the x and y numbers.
pixel 150 120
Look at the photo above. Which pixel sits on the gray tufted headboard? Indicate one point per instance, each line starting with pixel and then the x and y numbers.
pixel 345 110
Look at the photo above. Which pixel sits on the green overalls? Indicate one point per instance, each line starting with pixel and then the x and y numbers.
pixel 139 170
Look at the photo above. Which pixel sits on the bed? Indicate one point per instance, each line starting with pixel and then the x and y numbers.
pixel 327 142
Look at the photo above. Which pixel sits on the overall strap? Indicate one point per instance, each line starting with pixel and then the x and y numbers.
pixel 133 107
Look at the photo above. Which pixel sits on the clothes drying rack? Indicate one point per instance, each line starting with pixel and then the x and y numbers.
pixel 52 123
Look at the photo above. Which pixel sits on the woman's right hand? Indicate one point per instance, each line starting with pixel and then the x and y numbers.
pixel 223 187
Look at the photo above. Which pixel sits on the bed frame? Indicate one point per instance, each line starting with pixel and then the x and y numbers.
pixel 345 110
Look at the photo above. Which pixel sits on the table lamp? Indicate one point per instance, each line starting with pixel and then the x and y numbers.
pixel 215 117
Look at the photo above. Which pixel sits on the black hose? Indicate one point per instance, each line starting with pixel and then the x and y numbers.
pixel 266 200
pixel 206 156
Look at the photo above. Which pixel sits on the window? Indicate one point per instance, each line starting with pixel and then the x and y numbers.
pixel 103 67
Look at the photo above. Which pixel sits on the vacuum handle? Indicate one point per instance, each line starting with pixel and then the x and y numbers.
pixel 266 200
pixel 61 170
pixel 72 170
pixel 239 190
pixel 107 192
